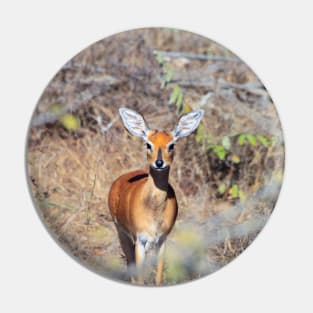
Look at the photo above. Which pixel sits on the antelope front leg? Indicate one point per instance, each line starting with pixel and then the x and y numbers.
pixel 140 255
pixel 160 265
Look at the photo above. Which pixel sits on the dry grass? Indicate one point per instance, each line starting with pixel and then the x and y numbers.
pixel 71 172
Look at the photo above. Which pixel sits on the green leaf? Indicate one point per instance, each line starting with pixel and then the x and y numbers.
pixel 251 138
pixel 226 142
pixel 222 188
pixel 169 75
pixel 182 107
pixel 174 95
pixel 159 58
pixel 200 133
pixel 70 122
pixel 234 191
pixel 263 140
pixel 242 139
pixel 180 100
pixel 273 141
pixel 242 195
pixel 220 152
pixel 163 84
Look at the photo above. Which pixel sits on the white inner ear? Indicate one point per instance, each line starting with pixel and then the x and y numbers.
pixel 187 124
pixel 134 123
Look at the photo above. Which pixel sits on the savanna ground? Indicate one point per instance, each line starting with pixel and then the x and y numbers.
pixel 226 176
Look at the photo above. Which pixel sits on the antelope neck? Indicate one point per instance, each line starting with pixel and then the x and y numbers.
pixel 160 177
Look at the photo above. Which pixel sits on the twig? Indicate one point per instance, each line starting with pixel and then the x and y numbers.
pixel 256 88
pixel 104 129
pixel 71 65
pixel 44 118
pixel 253 88
pixel 205 98
pixel 195 56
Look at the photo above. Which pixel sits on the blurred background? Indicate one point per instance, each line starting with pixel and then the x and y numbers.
pixel 226 176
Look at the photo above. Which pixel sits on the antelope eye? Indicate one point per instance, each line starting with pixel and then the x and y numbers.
pixel 171 147
pixel 149 147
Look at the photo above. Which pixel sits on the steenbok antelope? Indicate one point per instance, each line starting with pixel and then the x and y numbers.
pixel 143 203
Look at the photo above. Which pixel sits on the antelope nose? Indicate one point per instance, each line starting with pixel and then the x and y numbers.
pixel 159 163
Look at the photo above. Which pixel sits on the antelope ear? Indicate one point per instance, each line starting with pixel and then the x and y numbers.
pixel 187 124
pixel 134 123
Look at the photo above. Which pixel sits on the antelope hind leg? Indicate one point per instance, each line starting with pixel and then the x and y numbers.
pixel 128 248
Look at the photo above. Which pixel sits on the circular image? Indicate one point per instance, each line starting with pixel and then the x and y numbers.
pixel 155 156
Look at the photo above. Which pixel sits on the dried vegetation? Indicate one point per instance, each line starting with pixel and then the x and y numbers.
pixel 77 147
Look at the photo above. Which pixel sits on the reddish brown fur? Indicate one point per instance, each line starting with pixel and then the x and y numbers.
pixel 129 202
pixel 160 140
pixel 138 205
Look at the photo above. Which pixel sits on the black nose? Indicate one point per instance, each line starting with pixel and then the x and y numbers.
pixel 159 163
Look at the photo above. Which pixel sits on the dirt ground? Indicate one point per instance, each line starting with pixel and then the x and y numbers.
pixel 226 176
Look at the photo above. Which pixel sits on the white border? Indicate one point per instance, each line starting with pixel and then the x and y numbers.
pixel 273 38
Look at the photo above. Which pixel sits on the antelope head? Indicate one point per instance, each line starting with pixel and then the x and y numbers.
pixel 160 144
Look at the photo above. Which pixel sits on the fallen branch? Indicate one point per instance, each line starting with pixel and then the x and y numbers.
pixel 253 88
pixel 195 56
